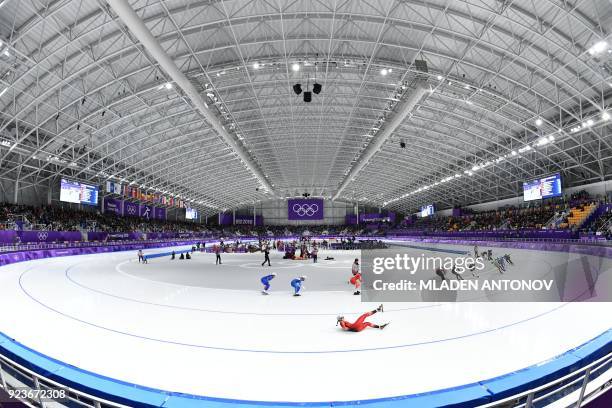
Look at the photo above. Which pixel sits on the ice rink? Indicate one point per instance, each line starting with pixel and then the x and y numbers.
pixel 195 327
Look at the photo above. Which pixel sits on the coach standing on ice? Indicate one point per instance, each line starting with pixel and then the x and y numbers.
pixel 218 254
pixel 267 255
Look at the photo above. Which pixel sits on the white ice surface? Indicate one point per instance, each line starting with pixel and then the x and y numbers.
pixel 109 315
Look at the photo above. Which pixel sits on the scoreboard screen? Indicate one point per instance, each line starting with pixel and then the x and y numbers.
pixel 542 188
pixel 78 193
pixel 427 210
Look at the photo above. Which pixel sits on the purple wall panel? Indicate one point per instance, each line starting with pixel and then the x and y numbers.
pixel 48 236
pixel 8 237
pixel 160 213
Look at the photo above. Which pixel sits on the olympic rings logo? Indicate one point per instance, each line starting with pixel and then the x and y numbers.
pixel 42 235
pixel 131 210
pixel 305 210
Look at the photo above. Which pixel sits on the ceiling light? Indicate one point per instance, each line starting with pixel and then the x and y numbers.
pixel 598 47
pixel 589 122
pixel 295 67
pixel 539 122
pixel 168 85
pixel 255 65
pixel 439 77
pixel 604 116
pixel 542 141
pixel 384 72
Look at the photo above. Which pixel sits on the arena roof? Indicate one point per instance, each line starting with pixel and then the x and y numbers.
pixel 195 98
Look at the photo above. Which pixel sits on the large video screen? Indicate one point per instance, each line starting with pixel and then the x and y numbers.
pixel 191 214
pixel 427 210
pixel 542 188
pixel 78 193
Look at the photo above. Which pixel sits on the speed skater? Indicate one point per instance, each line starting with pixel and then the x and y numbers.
pixel 265 281
pixel 360 323
pixel 297 285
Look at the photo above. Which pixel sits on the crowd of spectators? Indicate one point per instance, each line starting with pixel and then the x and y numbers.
pixel 56 218
pixel 550 214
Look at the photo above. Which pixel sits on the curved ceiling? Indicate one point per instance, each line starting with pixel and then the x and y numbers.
pixel 515 90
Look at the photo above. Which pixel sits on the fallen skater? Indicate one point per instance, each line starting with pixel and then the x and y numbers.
pixel 360 323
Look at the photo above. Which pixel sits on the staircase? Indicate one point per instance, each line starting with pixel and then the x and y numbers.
pixel 578 217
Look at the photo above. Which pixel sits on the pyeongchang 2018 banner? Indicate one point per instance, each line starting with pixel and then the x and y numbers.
pixel 113 206
pixel 305 209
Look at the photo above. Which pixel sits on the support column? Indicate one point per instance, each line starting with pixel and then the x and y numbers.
pixel 16 192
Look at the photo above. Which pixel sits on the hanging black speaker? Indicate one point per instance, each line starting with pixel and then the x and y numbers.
pixel 297 88
pixel 317 88
pixel 307 96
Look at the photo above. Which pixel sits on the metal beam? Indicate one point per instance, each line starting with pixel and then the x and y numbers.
pixel 142 33
pixel 404 109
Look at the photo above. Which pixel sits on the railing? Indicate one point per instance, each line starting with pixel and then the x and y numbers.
pixel 501 239
pixel 573 390
pixel 606 226
pixel 34 390
pixel 86 244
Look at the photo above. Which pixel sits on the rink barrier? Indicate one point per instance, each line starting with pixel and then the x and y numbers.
pixel 508 387
pixel 570 247
pixel 23 256
pixel 105 391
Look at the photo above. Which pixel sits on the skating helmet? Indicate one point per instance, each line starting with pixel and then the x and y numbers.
pixel 340 318
pixel 273 274
pixel 303 277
